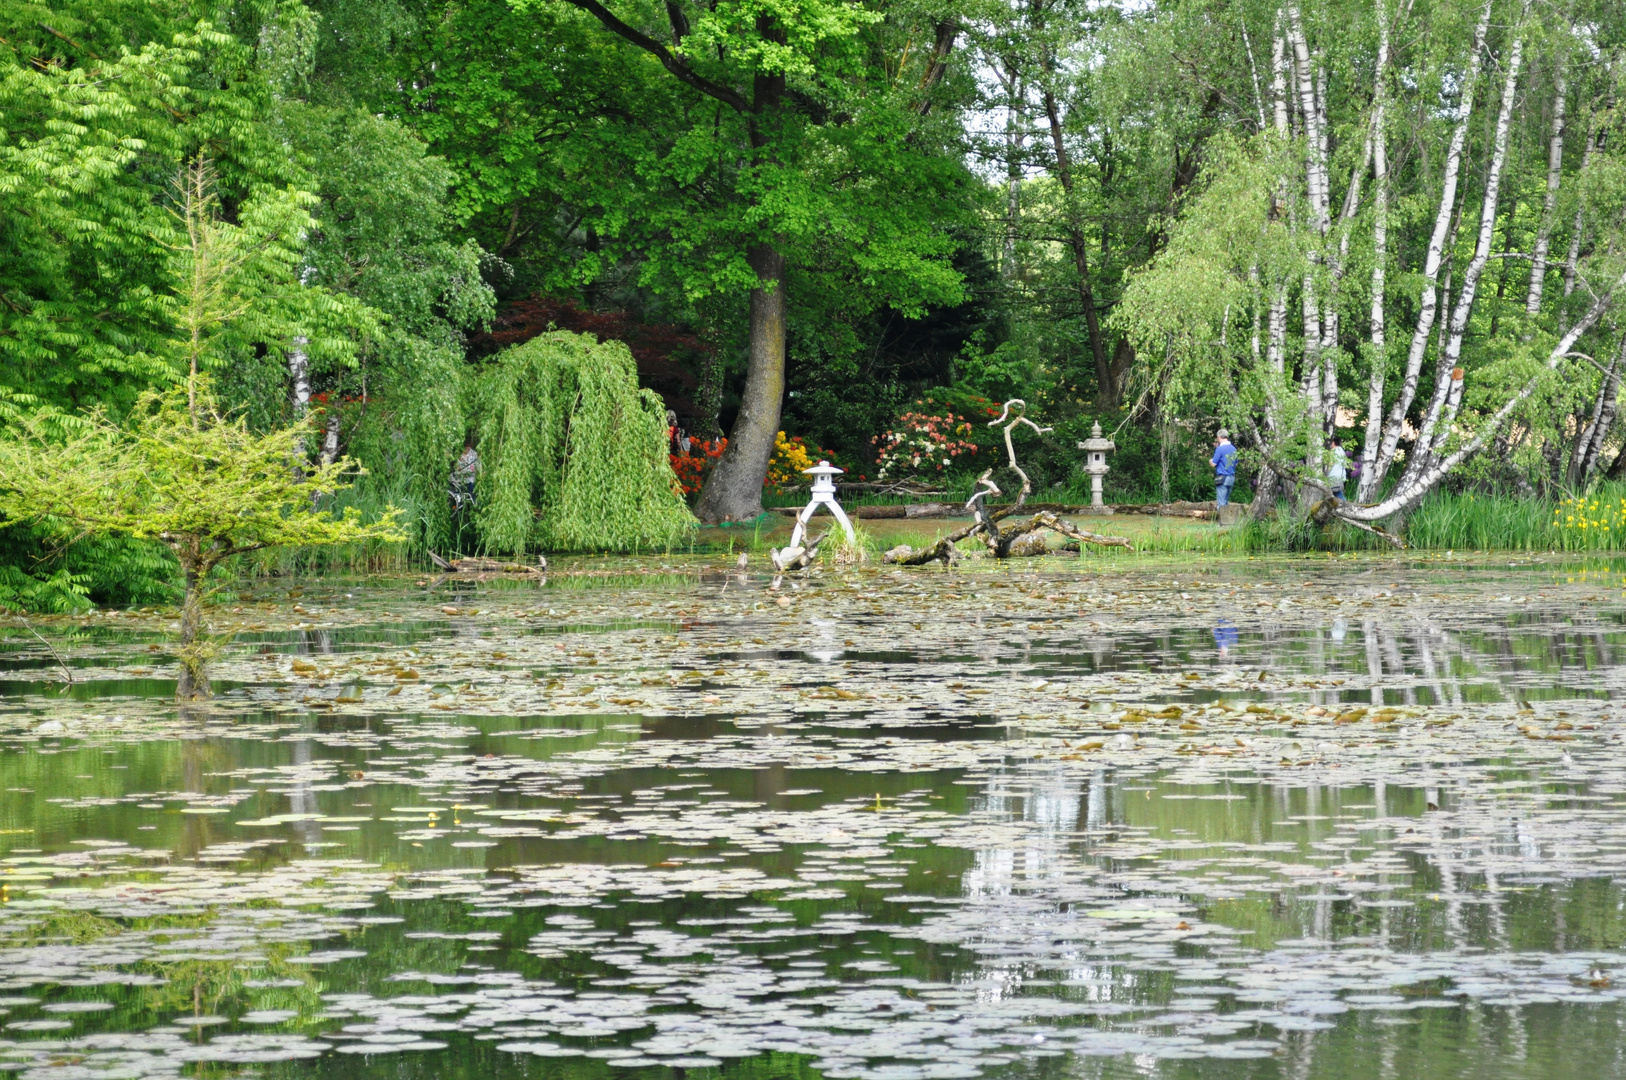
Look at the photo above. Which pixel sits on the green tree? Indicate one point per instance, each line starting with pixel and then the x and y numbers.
pixel 794 139
pixel 1354 236
pixel 384 236
pixel 180 472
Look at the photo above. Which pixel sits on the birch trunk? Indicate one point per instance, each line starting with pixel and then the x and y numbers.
pixel 330 437
pixel 1428 302
pixel 1314 122
pixel 1449 382
pixel 299 371
pixel 1589 446
pixel 1555 168
pixel 1407 494
pixel 1380 254
pixel 1316 184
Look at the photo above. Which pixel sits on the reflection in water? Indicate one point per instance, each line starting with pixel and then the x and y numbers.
pixel 838 845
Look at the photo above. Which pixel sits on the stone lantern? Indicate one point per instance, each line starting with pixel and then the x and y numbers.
pixel 824 494
pixel 1095 450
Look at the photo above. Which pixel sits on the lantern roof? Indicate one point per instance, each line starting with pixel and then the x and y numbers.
pixel 1096 442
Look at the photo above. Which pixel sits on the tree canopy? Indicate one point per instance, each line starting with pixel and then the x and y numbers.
pixel 1395 223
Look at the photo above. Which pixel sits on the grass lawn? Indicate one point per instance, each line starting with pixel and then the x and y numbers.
pixel 1146 533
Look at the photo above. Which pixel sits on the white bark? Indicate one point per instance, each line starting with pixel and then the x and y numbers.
pixel 1335 277
pixel 1314 122
pixel 330 437
pixel 1589 446
pixel 1428 303
pixel 1448 383
pixel 1316 183
pixel 1278 80
pixel 1412 488
pixel 1380 254
pixel 1253 69
pixel 299 370
pixel 1276 352
pixel 1555 168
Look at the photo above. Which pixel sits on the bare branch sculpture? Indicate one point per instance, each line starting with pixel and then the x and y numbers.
pixel 999 540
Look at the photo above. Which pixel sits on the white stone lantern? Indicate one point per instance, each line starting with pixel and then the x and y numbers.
pixel 1096 448
pixel 824 494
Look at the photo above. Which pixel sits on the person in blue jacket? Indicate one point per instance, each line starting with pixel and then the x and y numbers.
pixel 1224 462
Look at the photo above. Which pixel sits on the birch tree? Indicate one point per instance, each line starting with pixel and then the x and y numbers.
pixel 1432 408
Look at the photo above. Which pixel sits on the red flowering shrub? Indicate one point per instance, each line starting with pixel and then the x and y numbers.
pixel 693 465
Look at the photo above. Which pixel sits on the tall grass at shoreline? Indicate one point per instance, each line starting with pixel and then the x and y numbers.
pixel 1445 521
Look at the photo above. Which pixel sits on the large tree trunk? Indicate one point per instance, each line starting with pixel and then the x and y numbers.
pixel 734 492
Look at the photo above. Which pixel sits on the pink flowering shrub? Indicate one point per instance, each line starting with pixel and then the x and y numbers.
pixel 922 444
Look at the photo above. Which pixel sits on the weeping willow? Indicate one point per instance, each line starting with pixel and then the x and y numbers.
pixel 573 455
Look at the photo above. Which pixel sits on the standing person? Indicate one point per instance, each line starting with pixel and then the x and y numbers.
pixel 1338 471
pixel 1224 463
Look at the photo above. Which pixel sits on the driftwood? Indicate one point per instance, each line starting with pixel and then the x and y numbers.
pixel 1001 540
pixel 493 566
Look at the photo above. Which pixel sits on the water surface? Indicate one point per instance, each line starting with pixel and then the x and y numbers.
pixel 1308 818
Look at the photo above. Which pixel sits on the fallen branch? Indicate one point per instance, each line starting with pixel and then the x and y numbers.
pixel 999 541
pixel 493 566
pixel 1045 519
pixel 943 550
pixel 55 655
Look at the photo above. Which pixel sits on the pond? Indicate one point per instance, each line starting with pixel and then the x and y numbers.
pixel 1319 818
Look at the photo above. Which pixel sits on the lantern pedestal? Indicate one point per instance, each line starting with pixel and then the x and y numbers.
pixel 1096 448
